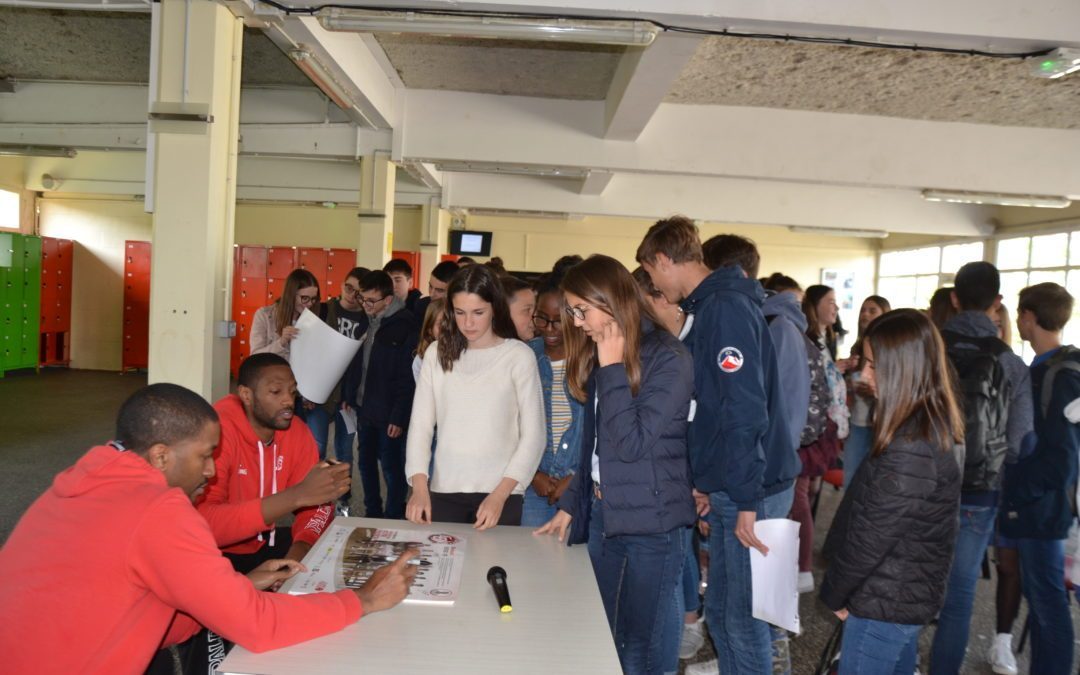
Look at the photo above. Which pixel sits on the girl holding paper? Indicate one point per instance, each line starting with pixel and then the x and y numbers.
pixel 481 386
pixel 630 498
pixel 272 330
pixel 892 540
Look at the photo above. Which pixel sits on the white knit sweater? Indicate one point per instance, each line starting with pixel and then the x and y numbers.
pixel 490 414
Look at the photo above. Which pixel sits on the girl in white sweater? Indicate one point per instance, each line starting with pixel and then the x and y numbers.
pixel 481 387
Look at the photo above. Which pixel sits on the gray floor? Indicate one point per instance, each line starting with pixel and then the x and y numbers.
pixel 47 421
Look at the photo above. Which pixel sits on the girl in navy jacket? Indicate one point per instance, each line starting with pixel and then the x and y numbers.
pixel 630 497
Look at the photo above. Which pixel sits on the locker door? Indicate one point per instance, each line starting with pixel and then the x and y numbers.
pixel 136 344
pixel 413 258
pixel 314 260
pixel 338 263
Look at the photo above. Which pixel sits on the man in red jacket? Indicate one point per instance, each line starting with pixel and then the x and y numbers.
pixel 267 466
pixel 114 560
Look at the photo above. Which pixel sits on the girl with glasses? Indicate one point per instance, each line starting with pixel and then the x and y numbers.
pixel 563 412
pixel 480 385
pixel 630 498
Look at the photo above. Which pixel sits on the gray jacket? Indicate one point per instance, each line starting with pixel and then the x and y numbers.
pixel 787 331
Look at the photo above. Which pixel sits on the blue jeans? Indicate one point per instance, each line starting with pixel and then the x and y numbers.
pixel 343 440
pixel 377 448
pixel 686 600
pixel 535 510
pixel 743 643
pixel 318 420
pixel 878 647
pixel 1042 574
pixel 954 621
pixel 636 574
pixel 856 448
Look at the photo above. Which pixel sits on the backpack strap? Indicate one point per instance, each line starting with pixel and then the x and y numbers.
pixel 1065 359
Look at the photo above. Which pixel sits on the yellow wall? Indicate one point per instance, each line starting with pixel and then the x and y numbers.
pixel 268 224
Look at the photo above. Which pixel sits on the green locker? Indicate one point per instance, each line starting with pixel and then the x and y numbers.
pixel 20 300
pixel 31 323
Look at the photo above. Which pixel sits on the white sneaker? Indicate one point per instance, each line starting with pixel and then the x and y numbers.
pixel 692 640
pixel 704 668
pixel 806 582
pixel 1001 658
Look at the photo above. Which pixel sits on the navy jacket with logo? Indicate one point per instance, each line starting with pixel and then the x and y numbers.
pixel 740 438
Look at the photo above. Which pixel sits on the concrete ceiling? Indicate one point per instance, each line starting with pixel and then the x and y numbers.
pixel 865 81
pixel 110 47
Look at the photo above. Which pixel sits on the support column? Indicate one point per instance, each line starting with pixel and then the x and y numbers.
pixel 377 184
pixel 434 235
pixel 191 189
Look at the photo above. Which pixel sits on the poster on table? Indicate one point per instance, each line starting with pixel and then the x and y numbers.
pixel 346 556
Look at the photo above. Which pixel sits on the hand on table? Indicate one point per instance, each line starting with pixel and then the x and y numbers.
pixel 324 483
pixel 418 510
pixel 274 573
pixel 489 511
pixel 389 584
pixel 558 524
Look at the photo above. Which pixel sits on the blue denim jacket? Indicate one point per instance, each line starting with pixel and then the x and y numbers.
pixel 566 461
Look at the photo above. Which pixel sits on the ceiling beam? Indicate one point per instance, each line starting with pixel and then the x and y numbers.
pixel 595 182
pixel 642 79
pixel 760 143
pixel 725 200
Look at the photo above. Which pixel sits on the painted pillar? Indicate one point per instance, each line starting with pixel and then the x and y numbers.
pixel 377 184
pixel 434 235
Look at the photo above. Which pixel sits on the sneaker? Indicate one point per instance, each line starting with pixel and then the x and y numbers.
pixel 692 640
pixel 711 667
pixel 806 582
pixel 1001 658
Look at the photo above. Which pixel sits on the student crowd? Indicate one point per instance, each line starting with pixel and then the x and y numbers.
pixel 653 416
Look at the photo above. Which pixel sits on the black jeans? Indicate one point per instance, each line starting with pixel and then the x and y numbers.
pixel 460 507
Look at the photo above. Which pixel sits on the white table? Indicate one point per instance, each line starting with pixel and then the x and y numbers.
pixel 557 626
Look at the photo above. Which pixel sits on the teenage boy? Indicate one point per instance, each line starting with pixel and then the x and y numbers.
pixel 996 424
pixel 346 315
pixel 267 467
pixel 382 390
pixel 741 458
pixel 113 558
pixel 1038 489
pixel 401 274
pixel 438 282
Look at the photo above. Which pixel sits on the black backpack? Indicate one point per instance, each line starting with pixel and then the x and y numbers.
pixel 983 392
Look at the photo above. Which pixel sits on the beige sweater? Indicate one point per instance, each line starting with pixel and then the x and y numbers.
pixel 264 335
pixel 490 415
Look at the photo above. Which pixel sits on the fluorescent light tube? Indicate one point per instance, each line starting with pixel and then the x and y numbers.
pixel 13 150
pixel 995 198
pixel 599 31
pixel 839 232
pixel 322 78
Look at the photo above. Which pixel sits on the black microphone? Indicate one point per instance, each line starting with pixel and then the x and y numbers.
pixel 496 576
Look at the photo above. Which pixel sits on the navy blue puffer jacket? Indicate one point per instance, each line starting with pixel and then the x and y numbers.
pixel 640 442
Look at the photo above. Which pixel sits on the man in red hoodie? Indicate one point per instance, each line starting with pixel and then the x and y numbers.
pixel 113 561
pixel 267 466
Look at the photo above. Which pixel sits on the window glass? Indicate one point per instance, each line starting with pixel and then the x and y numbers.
pixel 1074 249
pixel 1072 329
pixel 956 256
pixel 1012 254
pixel 899 290
pixel 924 288
pixel 9 209
pixel 1050 250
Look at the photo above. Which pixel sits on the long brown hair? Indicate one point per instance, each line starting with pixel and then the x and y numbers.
pixel 433 315
pixel 478 280
pixel 913 380
pixel 285 306
pixel 604 283
pixel 811 298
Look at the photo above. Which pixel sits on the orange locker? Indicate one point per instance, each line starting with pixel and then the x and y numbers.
pixel 413 258
pixel 56 267
pixel 314 260
pixel 338 263
pixel 136 305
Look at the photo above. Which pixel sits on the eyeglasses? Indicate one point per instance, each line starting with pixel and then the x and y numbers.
pixel 578 312
pixel 307 299
pixel 368 302
pixel 350 289
pixel 543 322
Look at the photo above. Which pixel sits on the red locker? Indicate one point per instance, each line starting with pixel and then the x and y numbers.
pixel 252 261
pixel 56 268
pixel 279 262
pixel 413 258
pixel 136 305
pixel 338 263
pixel 314 260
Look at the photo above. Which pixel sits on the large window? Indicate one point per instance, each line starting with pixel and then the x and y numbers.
pixel 909 278
pixel 9 210
pixel 1025 261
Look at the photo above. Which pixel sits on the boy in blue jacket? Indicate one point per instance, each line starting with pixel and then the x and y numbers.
pixel 742 461
pixel 1038 489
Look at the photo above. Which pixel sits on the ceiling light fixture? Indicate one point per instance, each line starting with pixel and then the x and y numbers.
pixel 839 232
pixel 1058 63
pixel 599 31
pixel 995 198
pixel 514 169
pixel 14 150
pixel 322 78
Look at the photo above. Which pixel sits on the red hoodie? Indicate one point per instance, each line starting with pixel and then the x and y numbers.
pixel 98 567
pixel 232 502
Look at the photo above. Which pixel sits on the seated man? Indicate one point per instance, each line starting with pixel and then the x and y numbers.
pixel 114 560
pixel 267 467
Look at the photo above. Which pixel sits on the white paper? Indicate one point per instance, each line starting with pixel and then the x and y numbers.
pixel 775 577
pixel 349 416
pixel 346 556
pixel 319 356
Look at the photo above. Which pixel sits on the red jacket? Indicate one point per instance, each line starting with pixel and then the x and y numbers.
pixel 232 502
pixel 110 558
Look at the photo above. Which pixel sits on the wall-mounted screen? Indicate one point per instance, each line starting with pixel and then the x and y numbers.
pixel 464 242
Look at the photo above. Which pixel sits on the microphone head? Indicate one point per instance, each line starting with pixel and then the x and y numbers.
pixel 496 572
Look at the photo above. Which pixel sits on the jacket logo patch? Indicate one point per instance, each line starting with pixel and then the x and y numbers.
pixel 730 359
pixel 241 471
pixel 280 462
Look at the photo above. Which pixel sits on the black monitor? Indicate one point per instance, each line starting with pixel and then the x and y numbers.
pixel 465 242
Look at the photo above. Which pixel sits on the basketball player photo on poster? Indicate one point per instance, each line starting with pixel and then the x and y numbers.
pixel 345 557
